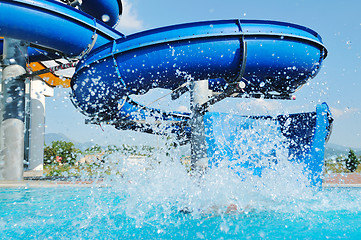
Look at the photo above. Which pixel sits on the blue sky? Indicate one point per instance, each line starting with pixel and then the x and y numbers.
pixel 338 83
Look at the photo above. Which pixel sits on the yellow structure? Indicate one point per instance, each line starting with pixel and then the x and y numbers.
pixel 50 78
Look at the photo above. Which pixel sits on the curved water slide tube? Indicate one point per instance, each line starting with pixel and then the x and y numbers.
pixel 106 11
pixel 267 56
pixel 54 27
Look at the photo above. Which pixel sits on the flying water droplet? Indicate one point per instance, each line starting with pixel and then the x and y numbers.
pixel 105 18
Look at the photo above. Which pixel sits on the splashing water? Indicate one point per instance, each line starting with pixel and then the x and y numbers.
pixel 156 198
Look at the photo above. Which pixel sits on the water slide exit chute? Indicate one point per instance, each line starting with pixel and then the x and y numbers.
pixel 255 143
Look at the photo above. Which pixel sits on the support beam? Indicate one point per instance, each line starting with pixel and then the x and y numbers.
pixel 199 95
pixel 13 110
pixel 39 90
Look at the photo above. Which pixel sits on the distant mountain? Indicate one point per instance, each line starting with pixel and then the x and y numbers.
pixel 51 137
pixel 83 146
pixel 332 149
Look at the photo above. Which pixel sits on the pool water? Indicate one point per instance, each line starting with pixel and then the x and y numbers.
pixel 94 213
pixel 164 202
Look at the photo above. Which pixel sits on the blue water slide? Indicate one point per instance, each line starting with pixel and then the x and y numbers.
pixel 267 56
pixel 107 11
pixel 53 26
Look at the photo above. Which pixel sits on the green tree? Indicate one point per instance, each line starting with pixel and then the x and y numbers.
pixel 49 155
pixel 111 149
pixel 127 149
pixel 94 149
pixel 61 150
pixel 352 161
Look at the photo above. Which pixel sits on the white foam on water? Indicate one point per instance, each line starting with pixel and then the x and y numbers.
pixel 167 187
pixel 152 191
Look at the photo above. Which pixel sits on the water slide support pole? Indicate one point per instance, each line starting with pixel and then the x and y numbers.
pixel 38 91
pixel 13 110
pixel 199 95
pixel 27 123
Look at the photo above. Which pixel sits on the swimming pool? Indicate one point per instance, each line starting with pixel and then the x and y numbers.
pixel 148 205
